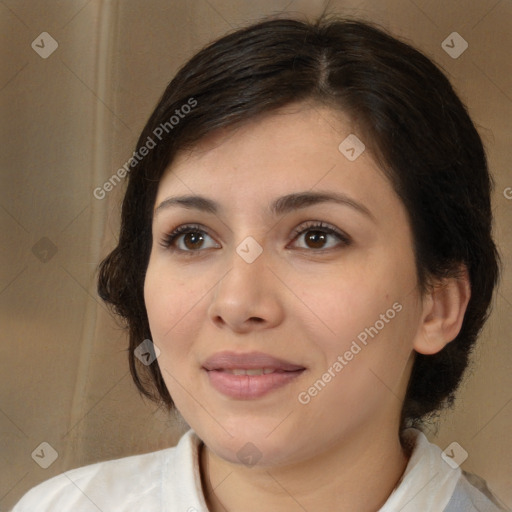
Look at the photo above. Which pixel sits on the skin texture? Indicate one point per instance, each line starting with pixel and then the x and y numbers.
pixel 303 300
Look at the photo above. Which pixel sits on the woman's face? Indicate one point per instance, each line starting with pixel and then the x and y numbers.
pixel 285 319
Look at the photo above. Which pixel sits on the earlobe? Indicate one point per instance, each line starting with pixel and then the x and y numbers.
pixel 443 312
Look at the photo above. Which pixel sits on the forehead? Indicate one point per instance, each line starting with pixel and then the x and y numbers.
pixel 293 149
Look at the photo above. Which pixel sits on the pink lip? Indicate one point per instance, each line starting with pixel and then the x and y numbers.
pixel 246 387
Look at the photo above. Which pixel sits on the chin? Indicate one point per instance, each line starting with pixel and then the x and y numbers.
pixel 252 445
pixel 258 453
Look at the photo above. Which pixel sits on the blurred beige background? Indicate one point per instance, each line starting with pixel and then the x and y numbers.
pixel 70 120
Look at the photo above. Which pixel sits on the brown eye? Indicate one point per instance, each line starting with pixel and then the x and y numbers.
pixel 315 239
pixel 192 240
pixel 317 236
pixel 187 239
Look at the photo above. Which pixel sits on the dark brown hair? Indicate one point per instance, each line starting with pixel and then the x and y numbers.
pixel 420 133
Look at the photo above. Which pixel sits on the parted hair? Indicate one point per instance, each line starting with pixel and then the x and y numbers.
pixel 412 122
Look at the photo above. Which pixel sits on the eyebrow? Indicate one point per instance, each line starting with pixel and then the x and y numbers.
pixel 280 206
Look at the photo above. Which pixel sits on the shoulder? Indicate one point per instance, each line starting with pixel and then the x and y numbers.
pixel 431 482
pixel 121 485
pixel 472 495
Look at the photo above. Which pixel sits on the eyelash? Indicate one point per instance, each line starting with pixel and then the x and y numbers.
pixel 169 239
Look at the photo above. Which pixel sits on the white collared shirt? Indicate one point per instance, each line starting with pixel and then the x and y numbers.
pixel 169 480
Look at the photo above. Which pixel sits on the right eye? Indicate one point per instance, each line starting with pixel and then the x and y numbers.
pixel 186 239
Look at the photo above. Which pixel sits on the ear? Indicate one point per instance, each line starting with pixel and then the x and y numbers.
pixel 443 313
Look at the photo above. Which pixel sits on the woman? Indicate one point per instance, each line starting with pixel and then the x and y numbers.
pixel 304 264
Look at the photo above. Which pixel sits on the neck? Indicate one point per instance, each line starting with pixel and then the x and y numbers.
pixel 356 474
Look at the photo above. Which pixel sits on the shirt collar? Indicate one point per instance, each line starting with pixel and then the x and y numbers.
pixel 427 484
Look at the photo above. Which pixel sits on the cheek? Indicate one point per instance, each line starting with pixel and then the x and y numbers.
pixel 372 318
pixel 366 364
pixel 172 307
pixel 353 299
pixel 171 303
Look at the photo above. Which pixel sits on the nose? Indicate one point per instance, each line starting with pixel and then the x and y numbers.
pixel 249 297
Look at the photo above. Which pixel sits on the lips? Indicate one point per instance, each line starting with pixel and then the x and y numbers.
pixel 249 376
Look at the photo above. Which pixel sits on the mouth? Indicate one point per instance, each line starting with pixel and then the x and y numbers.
pixel 249 376
pixel 255 371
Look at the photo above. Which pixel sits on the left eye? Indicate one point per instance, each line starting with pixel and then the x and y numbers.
pixel 316 236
